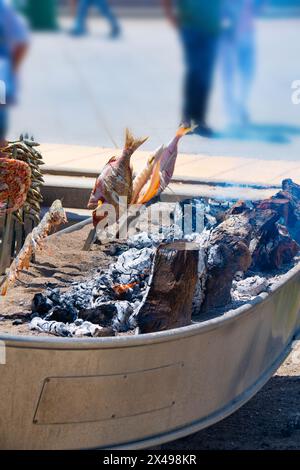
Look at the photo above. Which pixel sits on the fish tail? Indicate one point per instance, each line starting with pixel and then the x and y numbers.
pixel 185 130
pixel 131 143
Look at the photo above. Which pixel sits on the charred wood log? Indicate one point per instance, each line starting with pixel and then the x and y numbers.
pixel 292 188
pixel 274 250
pixel 248 238
pixel 228 253
pixel 168 303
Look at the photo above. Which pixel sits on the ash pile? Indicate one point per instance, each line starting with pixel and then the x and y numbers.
pixel 215 256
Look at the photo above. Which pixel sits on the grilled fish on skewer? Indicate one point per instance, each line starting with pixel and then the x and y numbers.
pixel 24 151
pixel 15 181
pixel 163 169
pixel 115 179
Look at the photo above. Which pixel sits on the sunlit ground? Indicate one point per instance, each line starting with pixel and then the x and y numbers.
pixel 87 90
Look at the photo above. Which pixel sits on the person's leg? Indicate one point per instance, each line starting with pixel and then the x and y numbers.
pixel 228 59
pixel 81 16
pixel 205 67
pixel 200 57
pixel 3 122
pixel 190 90
pixel 107 12
pixel 246 69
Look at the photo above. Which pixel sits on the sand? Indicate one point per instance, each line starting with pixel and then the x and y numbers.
pixel 61 263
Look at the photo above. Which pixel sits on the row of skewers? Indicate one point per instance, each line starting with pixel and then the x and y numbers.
pixel 116 184
pixel 21 179
pixel 20 197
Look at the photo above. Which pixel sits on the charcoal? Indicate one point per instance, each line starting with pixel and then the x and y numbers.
pixel 54 296
pixel 126 295
pixel 65 314
pixel 41 304
pixel 101 315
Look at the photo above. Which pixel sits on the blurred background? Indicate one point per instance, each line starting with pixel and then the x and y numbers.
pixel 82 82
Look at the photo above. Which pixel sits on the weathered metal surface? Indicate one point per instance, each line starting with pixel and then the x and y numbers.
pixel 133 392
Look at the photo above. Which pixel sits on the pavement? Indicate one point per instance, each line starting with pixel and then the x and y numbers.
pixel 75 160
pixel 85 91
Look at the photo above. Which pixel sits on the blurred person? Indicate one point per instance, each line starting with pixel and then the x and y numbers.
pixel 199 25
pixel 14 39
pixel 237 54
pixel 104 8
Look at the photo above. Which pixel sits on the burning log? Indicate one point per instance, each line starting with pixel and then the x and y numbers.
pixel 274 250
pixel 250 238
pixel 227 253
pixel 168 303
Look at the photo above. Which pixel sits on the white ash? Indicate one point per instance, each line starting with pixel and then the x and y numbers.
pixel 131 265
pixel 79 328
pixel 51 327
pixel 124 319
pixel 248 288
pixel 202 240
pixel 155 238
